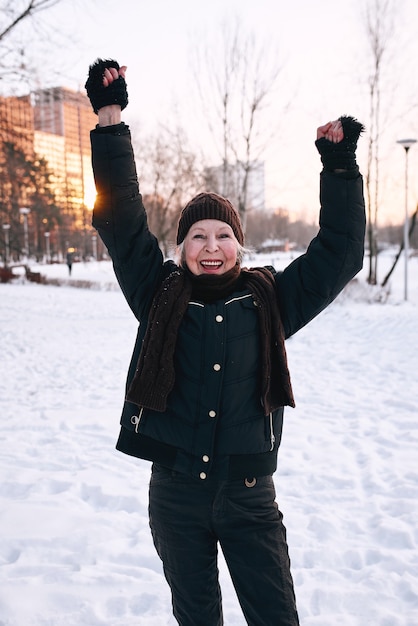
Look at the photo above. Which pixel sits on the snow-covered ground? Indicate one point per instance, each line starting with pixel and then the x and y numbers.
pixel 75 547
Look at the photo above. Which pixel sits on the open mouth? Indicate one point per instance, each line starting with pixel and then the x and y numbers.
pixel 211 265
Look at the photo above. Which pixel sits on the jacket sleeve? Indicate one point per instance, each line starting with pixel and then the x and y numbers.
pixel 120 218
pixel 312 281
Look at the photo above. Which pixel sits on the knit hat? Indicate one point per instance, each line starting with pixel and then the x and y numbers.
pixel 209 206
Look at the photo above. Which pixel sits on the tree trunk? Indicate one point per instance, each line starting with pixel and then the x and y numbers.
pixel 397 257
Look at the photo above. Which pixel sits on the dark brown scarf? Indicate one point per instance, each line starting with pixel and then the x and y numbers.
pixel 154 377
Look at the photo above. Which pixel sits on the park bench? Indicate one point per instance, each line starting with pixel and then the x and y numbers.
pixel 7 274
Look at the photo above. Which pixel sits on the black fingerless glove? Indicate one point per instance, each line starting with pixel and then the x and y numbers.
pixel 342 155
pixel 101 96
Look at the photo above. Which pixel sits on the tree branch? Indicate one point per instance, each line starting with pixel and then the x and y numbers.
pixel 32 7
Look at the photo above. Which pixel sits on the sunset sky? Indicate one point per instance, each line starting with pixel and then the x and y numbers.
pixel 322 48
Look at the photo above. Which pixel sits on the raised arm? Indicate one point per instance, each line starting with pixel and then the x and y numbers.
pixel 335 255
pixel 119 215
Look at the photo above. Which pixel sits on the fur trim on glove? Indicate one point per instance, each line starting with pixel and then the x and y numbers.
pixel 342 155
pixel 99 95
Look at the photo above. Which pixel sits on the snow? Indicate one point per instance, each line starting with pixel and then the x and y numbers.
pixel 75 546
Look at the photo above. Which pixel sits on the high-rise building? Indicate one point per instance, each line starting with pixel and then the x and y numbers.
pixel 62 122
pixel 53 124
pixel 16 123
pixel 229 182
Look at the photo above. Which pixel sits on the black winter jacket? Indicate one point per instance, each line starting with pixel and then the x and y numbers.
pixel 214 424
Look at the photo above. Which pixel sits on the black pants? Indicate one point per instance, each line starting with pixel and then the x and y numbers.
pixel 189 516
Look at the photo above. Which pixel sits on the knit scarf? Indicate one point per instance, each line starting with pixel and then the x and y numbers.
pixel 155 373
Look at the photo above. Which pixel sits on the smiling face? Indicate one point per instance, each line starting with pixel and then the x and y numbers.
pixel 210 247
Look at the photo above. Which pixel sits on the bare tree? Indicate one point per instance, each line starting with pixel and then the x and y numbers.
pixel 16 16
pixel 401 247
pixel 263 225
pixel 14 12
pixel 26 180
pixel 236 76
pixel 170 175
pixel 379 23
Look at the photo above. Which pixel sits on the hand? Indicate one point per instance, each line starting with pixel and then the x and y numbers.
pixel 337 143
pixel 333 131
pixel 110 114
pixel 110 74
pixel 106 85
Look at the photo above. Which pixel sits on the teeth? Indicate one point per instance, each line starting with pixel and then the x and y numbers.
pixel 212 263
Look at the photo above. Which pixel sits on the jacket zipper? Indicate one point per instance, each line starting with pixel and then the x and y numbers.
pixel 272 437
pixel 135 419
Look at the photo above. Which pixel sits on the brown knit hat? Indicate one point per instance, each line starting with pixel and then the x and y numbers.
pixel 209 206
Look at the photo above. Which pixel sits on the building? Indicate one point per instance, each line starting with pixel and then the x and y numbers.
pixel 62 122
pixel 54 124
pixel 229 182
pixel 16 122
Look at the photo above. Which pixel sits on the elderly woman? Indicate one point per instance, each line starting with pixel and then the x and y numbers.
pixel 208 379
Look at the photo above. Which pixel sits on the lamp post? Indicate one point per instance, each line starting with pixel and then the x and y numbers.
pixel 25 212
pixel 94 242
pixel 47 246
pixel 406 143
pixel 6 228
